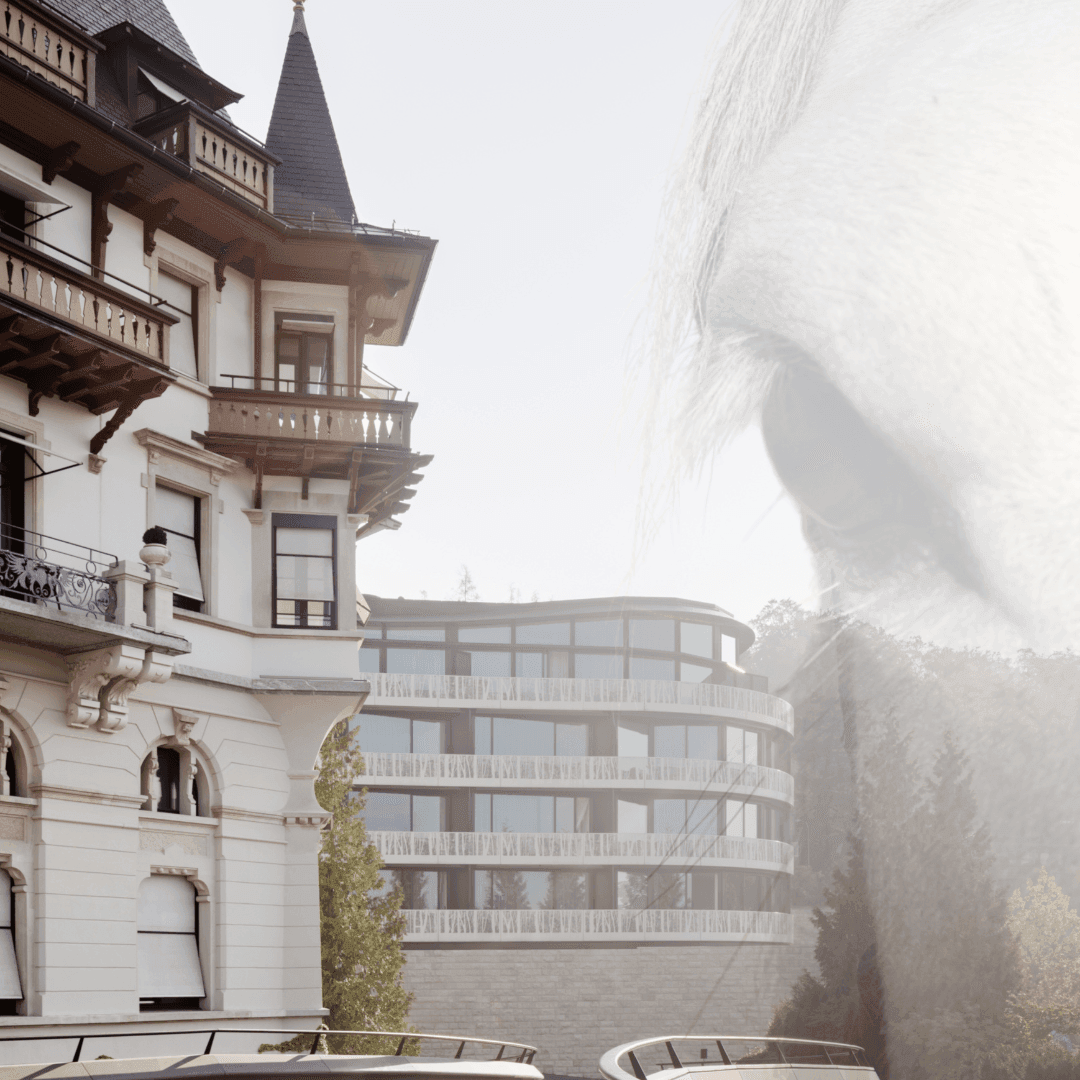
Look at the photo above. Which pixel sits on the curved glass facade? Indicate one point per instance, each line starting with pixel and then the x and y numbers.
pixel 550 799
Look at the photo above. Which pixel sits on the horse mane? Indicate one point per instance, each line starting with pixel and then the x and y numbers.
pixel 706 387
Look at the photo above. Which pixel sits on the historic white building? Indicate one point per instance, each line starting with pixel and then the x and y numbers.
pixel 183 317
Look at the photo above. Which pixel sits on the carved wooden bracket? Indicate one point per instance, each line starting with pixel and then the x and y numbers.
pixel 100 225
pixel 233 253
pixel 102 681
pixel 155 216
pixel 59 160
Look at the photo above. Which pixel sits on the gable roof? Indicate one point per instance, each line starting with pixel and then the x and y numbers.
pixel 311 178
pixel 150 16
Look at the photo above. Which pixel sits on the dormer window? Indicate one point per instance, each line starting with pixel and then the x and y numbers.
pixel 154 95
pixel 304 360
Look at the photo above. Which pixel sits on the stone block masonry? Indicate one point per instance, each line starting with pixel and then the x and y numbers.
pixel 576 1003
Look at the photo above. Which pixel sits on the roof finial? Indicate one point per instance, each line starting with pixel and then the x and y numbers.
pixel 298 24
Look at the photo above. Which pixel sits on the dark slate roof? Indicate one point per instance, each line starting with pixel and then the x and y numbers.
pixel 311 178
pixel 150 16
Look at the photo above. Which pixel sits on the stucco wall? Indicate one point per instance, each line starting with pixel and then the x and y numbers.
pixel 577 1003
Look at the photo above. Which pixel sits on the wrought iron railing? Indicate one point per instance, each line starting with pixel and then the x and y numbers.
pixel 693 773
pixel 655 924
pixel 628 693
pixel 643 849
pixel 56 573
pixel 295 386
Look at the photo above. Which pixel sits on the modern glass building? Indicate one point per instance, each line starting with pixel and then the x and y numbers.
pixel 591 771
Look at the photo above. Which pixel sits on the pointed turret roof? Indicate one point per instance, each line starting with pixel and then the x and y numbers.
pixel 311 177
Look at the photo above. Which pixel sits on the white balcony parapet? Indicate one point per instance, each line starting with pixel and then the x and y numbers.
pixel 652 924
pixel 525 770
pixel 627 695
pixel 581 849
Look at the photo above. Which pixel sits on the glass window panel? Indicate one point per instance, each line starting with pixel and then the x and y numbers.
pixel 694 672
pixel 373 630
pixel 427 813
pixel 669 740
pixel 702 816
pixel 510 889
pixel 599 632
pixel 427 893
pixel 703 890
pixel 633 817
pixel 569 890
pixel 317 347
pixel 391 880
pixel 427 737
pixel 415 661
pixel 529 665
pixel 369 660
pixel 572 740
pixel 184 566
pixel 750 748
pixel 416 633
pixel 182 300
pixel 304 541
pixel 750 819
pixel 383 734
pixel 564 813
pixel 733 743
pixel 667 889
pixel 512 735
pixel 703 741
pixel 482 813
pixel 522 813
pixel 491 664
pixel 731 888
pixel 733 817
pixel 544 634
pixel 558 665
pixel 633 743
pixel 482 889
pixel 302 578
pixel 598 665
pixel 582 815
pixel 537 886
pixel 669 815
pixel 633 889
pixel 289 345
pixel 728 649
pixel 175 511
pixel 482 735
pixel 652 634
pixel 484 635
pixel 386 810
pixel 696 639
pixel 644 667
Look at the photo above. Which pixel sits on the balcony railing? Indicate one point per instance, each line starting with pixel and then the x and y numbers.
pixel 268 414
pixel 626 694
pixel 90 306
pixel 235 160
pixel 611 924
pixel 507 848
pixel 46 49
pixel 380 389
pixel 55 573
pixel 518 769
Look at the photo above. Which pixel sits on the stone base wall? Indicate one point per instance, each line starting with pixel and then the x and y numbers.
pixel 577 1003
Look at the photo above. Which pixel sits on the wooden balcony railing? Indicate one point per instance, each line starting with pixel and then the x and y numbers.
pixel 234 160
pixel 42 45
pixel 318 418
pixel 128 325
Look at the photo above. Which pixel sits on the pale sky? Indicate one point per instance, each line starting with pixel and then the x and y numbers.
pixel 533 140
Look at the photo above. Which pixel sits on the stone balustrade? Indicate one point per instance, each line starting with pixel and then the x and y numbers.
pixel 526 770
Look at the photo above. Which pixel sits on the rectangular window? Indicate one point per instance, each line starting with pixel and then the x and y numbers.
pixel 369 661
pixel 740 818
pixel 305 570
pixel 416 633
pixel 645 667
pixel 182 302
pixel 694 672
pixel 421 890
pixel 598 666
pixel 304 354
pixel 10 984
pixel 485 635
pixel 554 664
pixel 632 817
pixel 544 634
pixel 652 634
pixel 741 745
pixel 168 949
pixel 729 651
pixel 696 639
pixel 490 664
pixel 180 515
pixel 530 813
pixel 602 632
pixel 632 742
pixel 416 661
pixel 392 811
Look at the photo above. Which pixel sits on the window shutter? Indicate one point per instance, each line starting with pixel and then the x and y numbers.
pixel 168 949
pixel 10 985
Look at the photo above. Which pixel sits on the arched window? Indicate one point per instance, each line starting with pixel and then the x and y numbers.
pixel 173 782
pixel 170 975
pixel 12 763
pixel 10 984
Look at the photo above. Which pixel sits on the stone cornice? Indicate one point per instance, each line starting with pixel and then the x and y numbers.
pixel 194 455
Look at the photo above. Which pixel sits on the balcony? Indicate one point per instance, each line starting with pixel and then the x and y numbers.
pixel 73 337
pixel 232 158
pixel 62 57
pixel 335 433
pixel 581 849
pixel 519 771
pixel 652 924
pixel 576 695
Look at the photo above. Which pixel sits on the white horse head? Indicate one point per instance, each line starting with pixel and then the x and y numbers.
pixel 877 238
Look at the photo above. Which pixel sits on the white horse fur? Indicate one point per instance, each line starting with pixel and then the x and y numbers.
pixel 876 245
